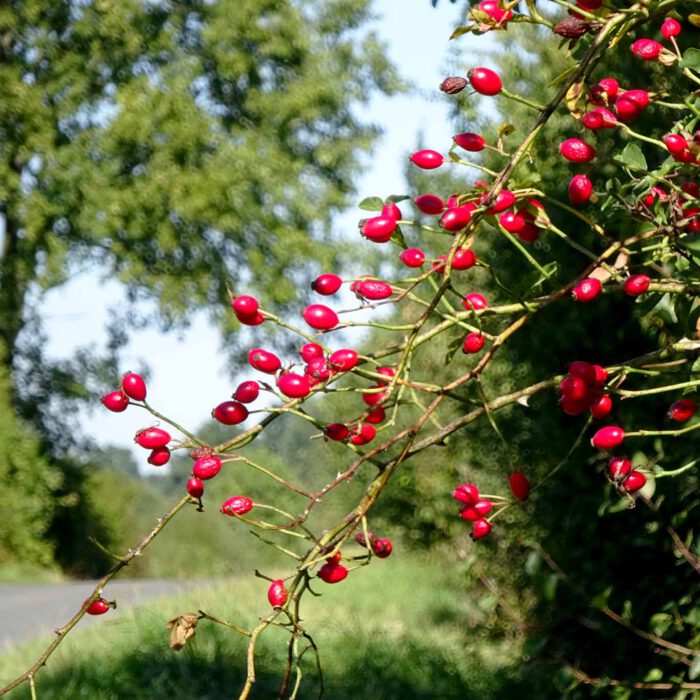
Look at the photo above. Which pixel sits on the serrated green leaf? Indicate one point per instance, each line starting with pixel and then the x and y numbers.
pixel 632 157
pixel 691 59
pixel 371 204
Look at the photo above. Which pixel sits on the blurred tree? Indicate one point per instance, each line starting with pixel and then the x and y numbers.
pixel 179 147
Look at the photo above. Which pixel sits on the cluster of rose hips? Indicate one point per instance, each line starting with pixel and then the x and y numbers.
pixel 332 571
pixel 153 439
pixel 582 389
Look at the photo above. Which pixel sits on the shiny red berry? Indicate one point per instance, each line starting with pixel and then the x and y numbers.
pixel 485 81
pixel 682 410
pixel 337 431
pixel 134 386
pixel 469 141
pixel 474 302
pixel 599 118
pixel 646 49
pixel 98 607
pixel 206 467
pixel 608 438
pixel 376 415
pixel 293 386
pixel 412 257
pixel 343 360
pixel 116 401
pixel 150 438
pixel 159 456
pixel 601 406
pixel 277 593
pixel 455 218
pixel 311 351
pixel 378 229
pixel 326 284
pixel 332 573
pixel 587 290
pixel 467 494
pixel 580 189
pixel 504 200
pixel 391 210
pixel 195 487
pixel 670 27
pixel 247 392
pixel 245 305
pixel 636 285
pixel 427 159
pixel 374 290
pixel 320 317
pixel 619 467
pixel 363 434
pixel 237 505
pixel 480 529
pixel 230 413
pixel 264 361
pixel 519 486
pixel 634 481
pixel 473 343
pixel 577 151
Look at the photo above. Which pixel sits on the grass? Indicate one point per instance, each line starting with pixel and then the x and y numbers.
pixel 22 572
pixel 397 629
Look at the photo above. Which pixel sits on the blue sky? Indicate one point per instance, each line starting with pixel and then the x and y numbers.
pixel 188 376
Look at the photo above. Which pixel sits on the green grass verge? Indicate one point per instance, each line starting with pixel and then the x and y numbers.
pixel 397 629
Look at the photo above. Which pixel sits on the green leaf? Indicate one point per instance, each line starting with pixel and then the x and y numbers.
pixel 654 674
pixel 660 623
pixel 371 204
pixel 396 198
pixel 455 344
pixel 694 670
pixel 665 309
pixel 632 157
pixel 397 237
pixel 691 59
pixel 691 243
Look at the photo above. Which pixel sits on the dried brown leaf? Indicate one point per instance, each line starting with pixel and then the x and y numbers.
pixel 181 629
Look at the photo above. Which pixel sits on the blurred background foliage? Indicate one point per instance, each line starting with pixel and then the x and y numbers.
pixel 534 597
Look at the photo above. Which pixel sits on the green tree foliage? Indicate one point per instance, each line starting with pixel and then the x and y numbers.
pixel 182 148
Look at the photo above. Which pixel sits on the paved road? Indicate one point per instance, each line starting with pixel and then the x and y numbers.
pixel 35 610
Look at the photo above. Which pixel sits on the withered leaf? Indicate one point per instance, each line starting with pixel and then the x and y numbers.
pixel 181 629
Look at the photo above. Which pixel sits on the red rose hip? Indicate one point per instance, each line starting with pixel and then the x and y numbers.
pixel 116 401
pixel 608 438
pixel 485 81
pixel 134 386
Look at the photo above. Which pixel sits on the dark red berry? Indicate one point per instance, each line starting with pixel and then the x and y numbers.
pixel 580 189
pixel 599 118
pixel 264 361
pixel 317 371
pixel 512 221
pixel 230 413
pixel 116 401
pixel 343 360
pixel 608 438
pixel 327 284
pixel 320 317
pixel 583 370
pixel 427 159
pixel 277 593
pixel 247 392
pixel 636 285
pixel 376 415
pixel 467 494
pixel 337 431
pixel 634 481
pixel 473 343
pixel 429 204
pixel 412 257
pixel 378 229
pixel 206 467
pixel 293 386
pixel 601 406
pixel 485 81
pixel 577 151
pixel 195 487
pixel 363 434
pixel 237 505
pixel 630 105
pixel 332 573
pixel 469 141
pixel 682 410
pixel 134 386
pixel 574 388
pixel 453 85
pixel 474 302
pixel 245 306
pixel 504 200
pixel 311 351
pixel 480 529
pixel 159 456
pixel 150 438
pixel 382 547
pixel 98 607
pixel 587 290
pixel 619 467
pixel 519 486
